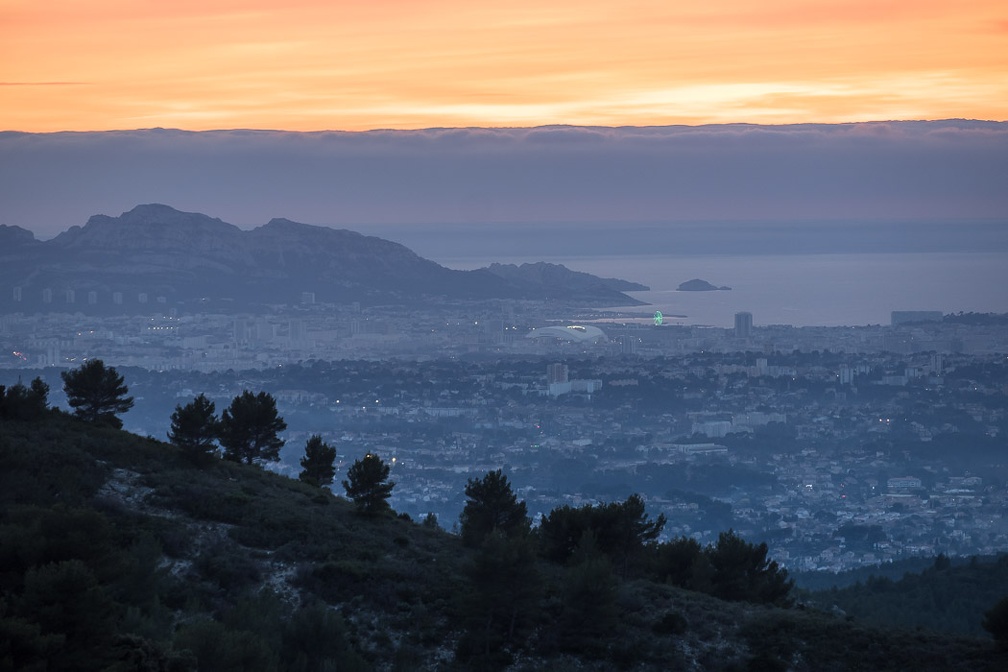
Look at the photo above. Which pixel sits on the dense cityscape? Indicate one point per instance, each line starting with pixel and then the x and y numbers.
pixel 829 443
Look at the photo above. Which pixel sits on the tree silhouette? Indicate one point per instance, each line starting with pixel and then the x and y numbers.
pixel 589 616
pixel 622 530
pixel 675 561
pixel 317 463
pixel 249 429
pixel 194 428
pixel 97 393
pixel 491 505
pixel 742 572
pixel 367 484
pixel 501 607
pixel 18 402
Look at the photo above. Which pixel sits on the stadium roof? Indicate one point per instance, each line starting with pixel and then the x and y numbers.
pixel 575 333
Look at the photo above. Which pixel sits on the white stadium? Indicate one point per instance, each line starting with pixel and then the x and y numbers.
pixel 574 333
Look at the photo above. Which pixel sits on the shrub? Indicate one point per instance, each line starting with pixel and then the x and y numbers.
pixel 671 623
pixel 996 623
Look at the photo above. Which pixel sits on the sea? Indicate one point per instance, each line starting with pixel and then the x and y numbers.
pixel 797 273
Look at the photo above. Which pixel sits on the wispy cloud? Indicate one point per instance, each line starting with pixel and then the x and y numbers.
pixel 43 83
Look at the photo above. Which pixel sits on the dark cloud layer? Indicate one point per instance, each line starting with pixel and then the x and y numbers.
pixel 872 171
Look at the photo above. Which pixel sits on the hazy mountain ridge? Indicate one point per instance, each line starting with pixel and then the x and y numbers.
pixel 183 257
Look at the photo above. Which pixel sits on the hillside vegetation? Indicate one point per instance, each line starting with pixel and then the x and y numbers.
pixel 945 597
pixel 118 553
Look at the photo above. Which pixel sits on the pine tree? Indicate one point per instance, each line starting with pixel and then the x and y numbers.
pixel 249 429
pixel 97 393
pixel 194 428
pixel 317 463
pixel 18 402
pixel 368 486
pixel 742 572
pixel 491 505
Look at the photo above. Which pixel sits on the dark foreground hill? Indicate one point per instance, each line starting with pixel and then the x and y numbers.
pixel 947 596
pixel 155 255
pixel 118 554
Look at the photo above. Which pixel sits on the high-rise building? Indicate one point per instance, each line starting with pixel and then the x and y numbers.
pixel 743 325
pixel 53 357
pixel 240 331
pixel 296 331
pixel 556 373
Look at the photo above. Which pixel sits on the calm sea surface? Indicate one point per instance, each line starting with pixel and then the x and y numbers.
pixel 803 290
pixel 800 273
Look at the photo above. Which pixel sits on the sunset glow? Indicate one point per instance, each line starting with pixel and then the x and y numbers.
pixel 314 64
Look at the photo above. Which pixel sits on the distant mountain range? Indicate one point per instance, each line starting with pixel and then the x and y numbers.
pixel 155 254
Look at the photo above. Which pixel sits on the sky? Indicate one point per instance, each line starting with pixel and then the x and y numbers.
pixel 308 65
pixel 401 112
pixel 369 181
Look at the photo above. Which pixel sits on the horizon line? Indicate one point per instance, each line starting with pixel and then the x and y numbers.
pixel 509 127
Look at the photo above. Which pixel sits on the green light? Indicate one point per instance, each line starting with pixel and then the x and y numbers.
pixel 658 318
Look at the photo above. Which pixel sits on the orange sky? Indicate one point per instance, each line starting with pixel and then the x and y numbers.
pixel 324 64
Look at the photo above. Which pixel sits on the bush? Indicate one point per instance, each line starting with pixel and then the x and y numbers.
pixel 216 647
pixel 232 571
pixel 671 623
pixel 996 623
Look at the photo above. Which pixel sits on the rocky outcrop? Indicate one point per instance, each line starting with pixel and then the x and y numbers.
pixel 698 285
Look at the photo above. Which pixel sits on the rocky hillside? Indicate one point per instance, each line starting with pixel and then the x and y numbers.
pixel 155 254
pixel 117 553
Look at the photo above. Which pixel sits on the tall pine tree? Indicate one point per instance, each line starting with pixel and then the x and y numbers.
pixel 368 486
pixel 491 505
pixel 250 429
pixel 97 393
pixel 194 428
pixel 317 464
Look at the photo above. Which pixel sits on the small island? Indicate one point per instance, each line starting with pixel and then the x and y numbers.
pixel 697 285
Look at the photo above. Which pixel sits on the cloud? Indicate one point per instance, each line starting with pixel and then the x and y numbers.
pixel 905 170
pixel 43 83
